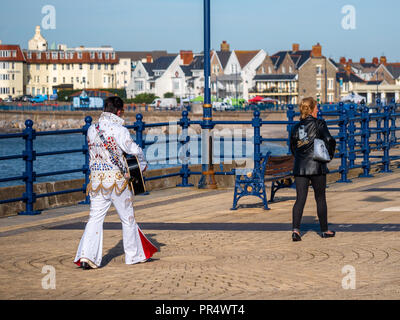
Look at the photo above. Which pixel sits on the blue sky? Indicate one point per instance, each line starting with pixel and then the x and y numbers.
pixel 178 24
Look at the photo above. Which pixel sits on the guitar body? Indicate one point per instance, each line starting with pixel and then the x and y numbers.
pixel 136 178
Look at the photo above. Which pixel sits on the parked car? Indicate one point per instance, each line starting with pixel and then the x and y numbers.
pixel 164 104
pixel 26 98
pixel 39 98
pixel 222 106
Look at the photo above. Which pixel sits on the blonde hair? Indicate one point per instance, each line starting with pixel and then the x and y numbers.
pixel 307 106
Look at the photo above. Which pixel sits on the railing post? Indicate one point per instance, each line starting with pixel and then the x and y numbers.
pixel 319 113
pixel 343 169
pixel 393 138
pixel 351 138
pixel 386 141
pixel 86 170
pixel 185 171
pixel 290 117
pixel 256 123
pixel 378 123
pixel 139 128
pixel 365 143
pixel 29 156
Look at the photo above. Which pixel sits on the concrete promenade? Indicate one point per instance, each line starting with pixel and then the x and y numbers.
pixel 207 251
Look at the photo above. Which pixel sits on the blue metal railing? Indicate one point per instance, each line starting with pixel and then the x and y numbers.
pixel 358 129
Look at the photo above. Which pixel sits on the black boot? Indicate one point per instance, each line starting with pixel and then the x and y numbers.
pixel 328 235
pixel 85 266
pixel 296 236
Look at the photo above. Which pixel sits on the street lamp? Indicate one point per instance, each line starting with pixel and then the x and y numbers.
pixel 207 180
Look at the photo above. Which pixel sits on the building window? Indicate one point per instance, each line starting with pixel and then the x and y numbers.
pixel 54 55
pixel 54 80
pixel 80 66
pixel 54 67
pixel 269 70
pixel 77 79
pixel 92 55
pixel 176 85
pixel 318 84
pixel 61 55
pixel 107 56
pixel 330 84
pixel 106 67
pixel 79 55
pixel 99 66
pixel 318 70
pixel 63 79
pixel 68 66
pixel 38 67
pixel 283 69
pixel 113 56
pixel 100 55
pixel 290 69
pixel 91 66
pixel 39 55
pixel 138 85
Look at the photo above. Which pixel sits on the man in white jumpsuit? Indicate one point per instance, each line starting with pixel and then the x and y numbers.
pixel 108 185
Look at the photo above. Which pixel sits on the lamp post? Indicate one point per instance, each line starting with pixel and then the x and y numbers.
pixel 207 180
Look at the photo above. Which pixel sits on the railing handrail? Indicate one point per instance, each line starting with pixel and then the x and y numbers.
pixel 354 141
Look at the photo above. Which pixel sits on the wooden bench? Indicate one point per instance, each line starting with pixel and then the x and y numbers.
pixel 275 169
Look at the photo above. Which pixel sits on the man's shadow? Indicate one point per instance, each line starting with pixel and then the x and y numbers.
pixel 118 250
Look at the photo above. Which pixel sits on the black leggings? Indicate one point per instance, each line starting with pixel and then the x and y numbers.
pixel 318 183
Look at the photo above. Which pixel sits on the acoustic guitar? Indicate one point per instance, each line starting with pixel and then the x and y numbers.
pixel 135 175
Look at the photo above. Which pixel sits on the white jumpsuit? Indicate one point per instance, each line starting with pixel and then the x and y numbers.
pixel 107 185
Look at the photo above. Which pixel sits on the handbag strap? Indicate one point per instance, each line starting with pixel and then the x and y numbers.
pixel 112 153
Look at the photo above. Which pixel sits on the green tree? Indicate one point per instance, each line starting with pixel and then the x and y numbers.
pixel 168 95
pixel 144 98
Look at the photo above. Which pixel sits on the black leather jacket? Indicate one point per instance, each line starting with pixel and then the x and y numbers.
pixel 302 146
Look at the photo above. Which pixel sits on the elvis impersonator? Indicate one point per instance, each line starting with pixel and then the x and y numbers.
pixel 108 185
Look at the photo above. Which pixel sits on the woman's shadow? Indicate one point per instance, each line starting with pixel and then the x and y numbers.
pixel 118 250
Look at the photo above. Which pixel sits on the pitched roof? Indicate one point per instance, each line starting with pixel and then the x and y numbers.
pixel 245 57
pixel 348 77
pixel 197 63
pixel 149 68
pixel 394 69
pixel 298 57
pixel 162 63
pixel 223 57
pixel 15 51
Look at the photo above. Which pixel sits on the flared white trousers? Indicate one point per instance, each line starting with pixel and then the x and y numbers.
pixel 137 247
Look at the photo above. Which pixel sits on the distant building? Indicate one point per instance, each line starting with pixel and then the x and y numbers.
pixel 75 68
pixel 289 76
pixel 12 65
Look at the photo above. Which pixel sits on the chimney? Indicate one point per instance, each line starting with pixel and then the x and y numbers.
pixel 186 57
pixel 375 61
pixel 383 60
pixel 316 51
pixel 342 60
pixel 347 68
pixel 0 42
pixel 362 60
pixel 225 46
pixel 295 47
pixel 149 58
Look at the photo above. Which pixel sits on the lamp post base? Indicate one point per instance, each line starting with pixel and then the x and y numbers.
pixel 207 180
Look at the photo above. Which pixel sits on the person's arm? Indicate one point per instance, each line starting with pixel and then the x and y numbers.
pixel 128 146
pixel 330 142
pixel 293 141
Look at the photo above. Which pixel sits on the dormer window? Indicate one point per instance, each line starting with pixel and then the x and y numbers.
pixel 92 55
pixel 100 55
pixel 107 56
pixel 47 55
pixel 79 55
pixel 54 55
pixel 113 55
pixel 29 55
pixel 39 55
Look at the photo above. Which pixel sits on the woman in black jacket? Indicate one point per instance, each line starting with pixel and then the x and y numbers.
pixel 306 169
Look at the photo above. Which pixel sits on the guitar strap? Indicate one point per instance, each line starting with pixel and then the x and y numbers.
pixel 114 157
